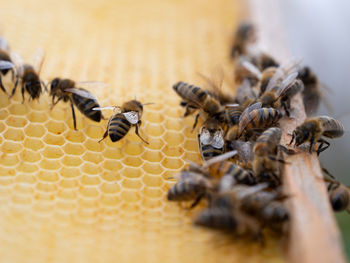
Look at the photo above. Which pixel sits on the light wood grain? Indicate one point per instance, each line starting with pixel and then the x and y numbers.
pixel 314 236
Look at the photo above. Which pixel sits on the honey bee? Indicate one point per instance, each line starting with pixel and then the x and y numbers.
pixel 28 74
pixel 119 124
pixel 339 195
pixel 224 214
pixel 210 139
pixel 69 90
pixel 5 61
pixel 255 117
pixel 195 98
pixel 313 92
pixel 191 186
pixel 245 154
pixel 313 129
pixel 265 163
pixel 282 86
pixel 264 61
pixel 245 35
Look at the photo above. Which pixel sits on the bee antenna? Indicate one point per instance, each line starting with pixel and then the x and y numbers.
pixel 148 103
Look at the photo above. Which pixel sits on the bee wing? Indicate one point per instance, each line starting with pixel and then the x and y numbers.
pixel 219 158
pixel 38 59
pixel 283 70
pixel 245 117
pixel 131 116
pixel 252 190
pixel 91 84
pixel 6 64
pixel 16 59
pixel 204 137
pixel 218 141
pixel 251 68
pixel 82 93
pixel 285 85
pixel 4 44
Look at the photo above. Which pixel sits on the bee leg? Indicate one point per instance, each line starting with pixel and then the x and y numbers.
pixel 327 172
pixel 2 86
pixel 74 118
pixel 312 142
pixel 13 75
pixel 293 137
pixel 274 158
pixel 15 87
pixel 196 202
pixel 195 122
pixel 22 92
pixel 286 150
pixel 137 132
pixel 45 86
pixel 55 102
pixel 104 136
pixel 321 148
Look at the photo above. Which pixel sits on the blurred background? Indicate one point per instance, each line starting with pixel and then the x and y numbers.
pixel 318 31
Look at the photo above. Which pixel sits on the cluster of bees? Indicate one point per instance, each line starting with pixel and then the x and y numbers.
pixel 241 177
pixel 69 91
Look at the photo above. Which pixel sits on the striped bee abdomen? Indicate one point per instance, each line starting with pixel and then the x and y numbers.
pixel 332 127
pixel 209 152
pixel 190 92
pixel 118 127
pixel 85 106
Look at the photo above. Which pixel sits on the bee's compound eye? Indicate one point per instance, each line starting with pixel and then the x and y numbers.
pixel 54 83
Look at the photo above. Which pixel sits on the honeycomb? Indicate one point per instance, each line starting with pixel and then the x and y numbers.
pixel 66 198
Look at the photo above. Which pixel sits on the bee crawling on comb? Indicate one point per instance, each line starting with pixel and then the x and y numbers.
pixel 119 124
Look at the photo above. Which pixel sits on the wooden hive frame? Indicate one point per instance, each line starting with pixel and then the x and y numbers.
pixel 314 236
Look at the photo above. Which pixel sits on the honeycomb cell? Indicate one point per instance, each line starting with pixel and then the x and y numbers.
pixel 111 176
pixel 33 144
pixel 174 124
pixel 26 167
pixel 57 114
pixel 172 151
pixel 132 161
pixel 14 134
pixel 90 180
pixel 8 159
pixel 46 187
pixel 131 172
pixel 152 168
pixel 153 156
pixel 92 157
pixel 48 177
pixel 69 183
pixel 113 153
pixel 154 117
pixel 90 168
pixel 108 200
pixel 36 116
pixel 152 192
pixel 4 101
pixel 173 139
pixel 89 192
pixel 71 160
pixel 152 180
pixel 3 114
pixel 74 149
pixel 42 105
pixel 154 130
pixel 75 136
pixel 52 152
pixel 15 121
pixel 94 132
pixel 53 139
pixel 93 145
pixel 131 184
pixel 11 147
pixel 133 148
pixel 110 188
pixel 50 164
pixel 112 165
pixel 172 163
pixel 2 127
pixel 18 109
pixel 55 127
pixel 67 194
pixel 28 178
pixel 191 145
pixel 35 130
pixel 155 144
pixel 30 156
pixel 130 196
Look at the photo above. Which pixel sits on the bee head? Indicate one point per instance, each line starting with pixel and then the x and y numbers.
pixel 340 199
pixel 53 86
